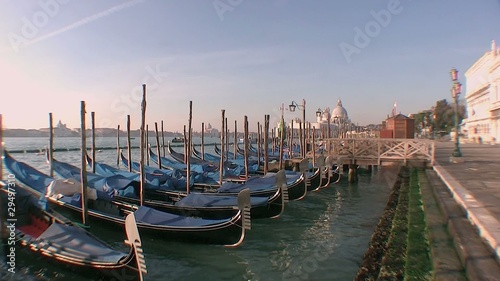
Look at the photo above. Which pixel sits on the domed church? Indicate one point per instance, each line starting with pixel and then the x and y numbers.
pixel 338 117
pixel 339 114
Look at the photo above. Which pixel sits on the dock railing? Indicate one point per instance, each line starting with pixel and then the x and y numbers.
pixel 374 151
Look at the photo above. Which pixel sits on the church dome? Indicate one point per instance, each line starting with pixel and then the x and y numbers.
pixel 339 112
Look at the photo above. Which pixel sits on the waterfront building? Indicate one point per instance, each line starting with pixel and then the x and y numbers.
pixel 483 98
pixel 210 131
pixel 398 127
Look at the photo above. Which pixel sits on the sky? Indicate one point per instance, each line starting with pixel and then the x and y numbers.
pixel 247 57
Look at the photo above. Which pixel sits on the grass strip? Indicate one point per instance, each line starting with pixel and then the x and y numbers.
pixel 418 261
pixel 393 262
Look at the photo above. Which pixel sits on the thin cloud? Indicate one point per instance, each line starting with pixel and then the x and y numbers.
pixel 86 20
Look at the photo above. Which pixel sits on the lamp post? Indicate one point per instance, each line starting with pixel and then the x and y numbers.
pixel 337 125
pixel 292 107
pixel 455 92
pixel 319 113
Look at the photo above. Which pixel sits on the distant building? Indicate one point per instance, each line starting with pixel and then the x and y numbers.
pixel 61 126
pixel 398 127
pixel 61 130
pixel 211 131
pixel 483 98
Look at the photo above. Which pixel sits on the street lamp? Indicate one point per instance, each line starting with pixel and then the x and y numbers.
pixel 292 108
pixel 455 92
pixel 328 116
pixel 337 125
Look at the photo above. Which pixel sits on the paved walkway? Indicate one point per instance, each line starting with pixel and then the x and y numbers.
pixel 475 185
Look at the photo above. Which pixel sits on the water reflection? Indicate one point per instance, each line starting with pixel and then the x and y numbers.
pixel 322 237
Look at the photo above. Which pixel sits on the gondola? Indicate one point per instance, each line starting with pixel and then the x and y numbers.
pixel 180 157
pixel 203 204
pixel 64 197
pixel 205 156
pixel 312 179
pixel 253 165
pixel 329 171
pixel 260 185
pixel 178 171
pixel 58 240
pixel 252 153
pixel 170 164
pixel 206 174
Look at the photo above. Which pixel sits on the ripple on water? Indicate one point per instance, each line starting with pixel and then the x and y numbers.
pixel 322 237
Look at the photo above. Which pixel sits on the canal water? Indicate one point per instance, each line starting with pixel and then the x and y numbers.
pixel 322 237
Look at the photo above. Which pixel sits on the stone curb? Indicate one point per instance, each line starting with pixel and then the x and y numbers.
pixel 488 226
pixel 446 263
pixel 478 260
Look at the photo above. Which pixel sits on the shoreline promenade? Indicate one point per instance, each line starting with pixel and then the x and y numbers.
pixel 475 186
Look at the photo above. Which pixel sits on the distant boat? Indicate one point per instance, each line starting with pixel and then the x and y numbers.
pixel 178 139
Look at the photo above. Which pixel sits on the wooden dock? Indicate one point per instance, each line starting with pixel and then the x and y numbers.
pixel 375 151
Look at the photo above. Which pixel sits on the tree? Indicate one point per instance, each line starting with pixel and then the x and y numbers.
pixel 444 116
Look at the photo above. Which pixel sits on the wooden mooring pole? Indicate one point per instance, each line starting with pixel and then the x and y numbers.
pixel 202 141
pixel 143 144
pixel 245 141
pixel 266 144
pixel 222 147
pixel 83 167
pixel 189 147
pixel 259 143
pixel 162 139
pixel 129 145
pixel 146 145
pixel 353 173
pixel 227 138
pixel 92 120
pixel 157 145
pixel 118 146
pixel 1 162
pixel 282 140
pixel 185 144
pixel 51 146
pixel 235 152
pixel 291 139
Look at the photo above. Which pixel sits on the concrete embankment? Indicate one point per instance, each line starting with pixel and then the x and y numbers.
pixel 426 233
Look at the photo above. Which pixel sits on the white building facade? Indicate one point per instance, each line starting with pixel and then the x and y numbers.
pixel 483 98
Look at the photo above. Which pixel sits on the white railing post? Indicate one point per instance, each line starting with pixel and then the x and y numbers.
pixel 405 152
